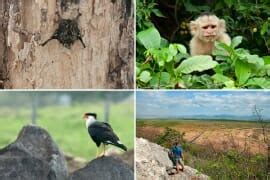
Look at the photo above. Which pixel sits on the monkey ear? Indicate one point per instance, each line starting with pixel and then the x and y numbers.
pixel 222 25
pixel 193 27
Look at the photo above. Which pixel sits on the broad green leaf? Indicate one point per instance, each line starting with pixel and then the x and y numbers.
pixel 164 43
pixel 145 76
pixel 164 78
pixel 196 63
pixel 181 48
pixel 255 59
pixel 149 38
pixel 259 82
pixel 154 81
pixel 220 78
pixel 242 71
pixel 172 50
pixel 236 41
pixel 219 46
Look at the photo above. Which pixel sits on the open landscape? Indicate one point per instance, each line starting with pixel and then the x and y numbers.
pixel 223 134
pixel 246 136
pixel 220 149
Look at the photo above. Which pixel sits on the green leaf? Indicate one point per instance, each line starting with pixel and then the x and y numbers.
pixel 242 71
pixel 254 59
pixel 196 63
pixel 145 76
pixel 259 82
pixel 172 50
pixel 154 81
pixel 264 28
pixel 236 41
pixel 164 78
pixel 266 59
pixel 164 43
pixel 220 47
pixel 157 12
pixel 229 3
pixel 149 38
pixel 138 71
pixel 220 78
pixel 181 48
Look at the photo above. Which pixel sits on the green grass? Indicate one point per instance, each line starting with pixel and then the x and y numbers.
pixel 201 123
pixel 66 126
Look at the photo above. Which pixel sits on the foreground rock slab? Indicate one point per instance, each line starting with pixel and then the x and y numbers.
pixel 152 162
pixel 108 168
pixel 34 155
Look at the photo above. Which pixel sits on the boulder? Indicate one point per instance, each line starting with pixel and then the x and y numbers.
pixel 152 162
pixel 34 155
pixel 108 168
pixel 127 157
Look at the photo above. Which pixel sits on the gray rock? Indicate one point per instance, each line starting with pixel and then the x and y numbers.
pixel 34 155
pixel 152 162
pixel 102 168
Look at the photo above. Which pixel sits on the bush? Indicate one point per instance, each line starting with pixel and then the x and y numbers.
pixel 167 65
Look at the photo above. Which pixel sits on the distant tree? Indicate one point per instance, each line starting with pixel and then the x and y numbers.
pixel 265 131
pixel 107 103
pixel 34 107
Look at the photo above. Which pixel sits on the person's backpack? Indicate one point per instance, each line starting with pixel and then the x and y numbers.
pixel 177 151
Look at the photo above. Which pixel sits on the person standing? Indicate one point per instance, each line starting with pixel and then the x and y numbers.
pixel 177 154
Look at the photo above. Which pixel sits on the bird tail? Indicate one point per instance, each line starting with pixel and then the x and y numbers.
pixel 122 146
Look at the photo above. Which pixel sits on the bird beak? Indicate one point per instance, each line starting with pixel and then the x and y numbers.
pixel 84 116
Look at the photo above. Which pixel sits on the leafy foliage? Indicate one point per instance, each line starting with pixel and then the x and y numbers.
pixel 165 65
pixel 249 19
pixel 169 137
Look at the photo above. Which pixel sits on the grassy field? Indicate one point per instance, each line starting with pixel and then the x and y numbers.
pixel 66 126
pixel 218 133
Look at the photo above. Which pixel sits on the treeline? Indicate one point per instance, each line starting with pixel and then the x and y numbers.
pixel 14 99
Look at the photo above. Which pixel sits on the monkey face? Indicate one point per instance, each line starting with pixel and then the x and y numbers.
pixel 209 28
pixel 206 28
pixel 209 32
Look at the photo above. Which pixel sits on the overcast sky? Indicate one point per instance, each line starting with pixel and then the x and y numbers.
pixel 160 104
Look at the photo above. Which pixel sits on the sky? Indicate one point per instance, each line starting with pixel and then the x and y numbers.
pixel 170 104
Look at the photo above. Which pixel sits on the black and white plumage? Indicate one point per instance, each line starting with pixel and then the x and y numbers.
pixel 101 132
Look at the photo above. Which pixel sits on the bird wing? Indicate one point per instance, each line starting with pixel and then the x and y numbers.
pixel 103 132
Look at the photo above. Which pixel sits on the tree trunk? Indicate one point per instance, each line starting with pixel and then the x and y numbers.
pixel 268 159
pixel 107 103
pixel 34 108
pixel 107 31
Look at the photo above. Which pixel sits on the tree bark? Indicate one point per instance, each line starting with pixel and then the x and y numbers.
pixel 268 159
pixel 107 30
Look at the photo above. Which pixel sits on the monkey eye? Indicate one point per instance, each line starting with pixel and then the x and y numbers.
pixel 205 27
pixel 213 26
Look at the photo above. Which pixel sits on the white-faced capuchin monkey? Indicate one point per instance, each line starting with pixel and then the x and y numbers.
pixel 207 29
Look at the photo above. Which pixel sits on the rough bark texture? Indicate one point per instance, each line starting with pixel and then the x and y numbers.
pixel 107 30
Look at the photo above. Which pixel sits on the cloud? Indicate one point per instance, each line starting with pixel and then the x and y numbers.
pixel 173 103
